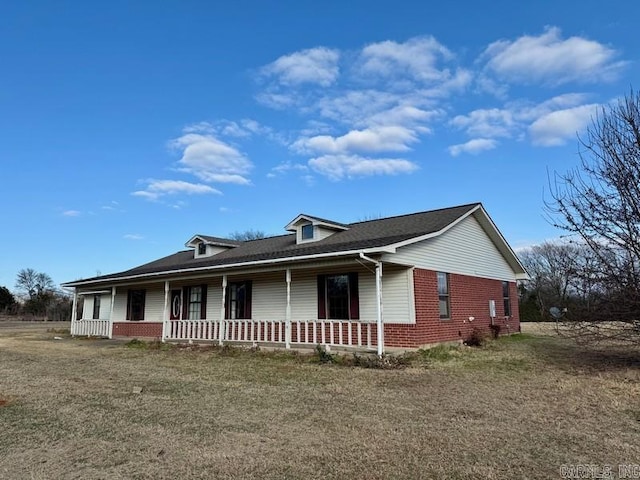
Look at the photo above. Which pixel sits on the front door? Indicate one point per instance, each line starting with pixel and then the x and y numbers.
pixel 176 304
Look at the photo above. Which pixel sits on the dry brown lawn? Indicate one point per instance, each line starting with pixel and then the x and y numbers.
pixel 518 408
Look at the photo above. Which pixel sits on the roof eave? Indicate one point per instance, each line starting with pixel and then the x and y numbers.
pixel 229 266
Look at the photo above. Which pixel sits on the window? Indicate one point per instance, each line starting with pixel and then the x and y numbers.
pixel 135 304
pixel 195 302
pixel 338 297
pixel 96 307
pixel 238 300
pixel 307 232
pixel 506 299
pixel 202 249
pixel 443 295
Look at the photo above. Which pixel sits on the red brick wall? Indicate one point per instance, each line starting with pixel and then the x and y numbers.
pixel 468 297
pixel 137 329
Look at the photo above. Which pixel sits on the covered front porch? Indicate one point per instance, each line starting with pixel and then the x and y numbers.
pixel 277 308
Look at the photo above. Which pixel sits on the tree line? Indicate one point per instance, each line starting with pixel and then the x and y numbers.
pixel 36 296
pixel 591 277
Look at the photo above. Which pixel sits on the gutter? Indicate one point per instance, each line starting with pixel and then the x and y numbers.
pixel 379 309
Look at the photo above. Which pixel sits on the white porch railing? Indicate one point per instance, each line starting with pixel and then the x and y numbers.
pixel 344 333
pixel 91 328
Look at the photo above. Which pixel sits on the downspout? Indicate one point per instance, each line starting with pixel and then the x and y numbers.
pixel 287 328
pixel 223 324
pixel 74 311
pixel 165 312
pixel 379 319
pixel 111 307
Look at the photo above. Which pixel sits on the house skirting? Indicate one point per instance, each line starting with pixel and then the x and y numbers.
pixel 137 329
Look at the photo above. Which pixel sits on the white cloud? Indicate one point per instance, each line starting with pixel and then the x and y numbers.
pixel 549 59
pixel 416 58
pixel 159 188
pixel 473 147
pixel 377 139
pixel 492 122
pixel 71 213
pixel 211 159
pixel 337 167
pixel 285 167
pixel 356 106
pixel 313 66
pixel 133 236
pixel 557 127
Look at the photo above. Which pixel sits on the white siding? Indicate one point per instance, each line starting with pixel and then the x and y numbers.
pixel 214 298
pixel 269 296
pixel 153 303
pixel 465 249
pixel 397 295
pixel 87 307
pixel 105 306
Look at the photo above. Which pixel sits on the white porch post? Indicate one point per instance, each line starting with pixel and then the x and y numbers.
pixel 113 301
pixel 74 312
pixel 222 320
pixel 165 312
pixel 379 309
pixel 287 325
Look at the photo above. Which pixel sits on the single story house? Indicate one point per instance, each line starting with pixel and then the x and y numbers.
pixel 403 281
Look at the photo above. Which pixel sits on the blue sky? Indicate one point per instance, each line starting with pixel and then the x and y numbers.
pixel 128 127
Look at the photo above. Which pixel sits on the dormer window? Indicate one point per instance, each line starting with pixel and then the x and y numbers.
pixel 307 232
pixel 207 246
pixel 313 229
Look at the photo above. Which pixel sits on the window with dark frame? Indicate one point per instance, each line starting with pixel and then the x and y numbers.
pixel 307 232
pixel 238 300
pixel 443 295
pixel 135 305
pixel 202 249
pixel 338 297
pixel 96 307
pixel 194 302
pixel 506 298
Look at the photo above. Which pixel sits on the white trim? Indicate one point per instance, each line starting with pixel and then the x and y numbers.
pixel 95 292
pixel 291 226
pixel 412 295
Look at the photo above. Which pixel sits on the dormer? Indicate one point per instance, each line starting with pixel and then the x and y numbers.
pixel 206 246
pixel 311 229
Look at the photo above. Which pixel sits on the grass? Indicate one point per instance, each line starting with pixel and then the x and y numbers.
pixel 520 407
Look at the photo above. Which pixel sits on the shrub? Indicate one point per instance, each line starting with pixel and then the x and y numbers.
pixel 495 331
pixel 476 338
pixel 323 355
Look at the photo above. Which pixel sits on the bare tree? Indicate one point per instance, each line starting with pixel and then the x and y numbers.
pixel 552 270
pixel 33 283
pixel 599 204
pixel 247 235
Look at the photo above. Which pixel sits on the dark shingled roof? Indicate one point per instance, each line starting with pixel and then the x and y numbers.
pixel 361 235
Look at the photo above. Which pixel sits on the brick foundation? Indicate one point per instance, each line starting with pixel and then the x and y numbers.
pixel 468 296
pixel 137 329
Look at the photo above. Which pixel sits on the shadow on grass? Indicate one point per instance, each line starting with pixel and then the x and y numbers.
pixel 570 356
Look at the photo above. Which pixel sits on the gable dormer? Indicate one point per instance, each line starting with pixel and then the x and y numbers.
pixel 206 246
pixel 311 229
